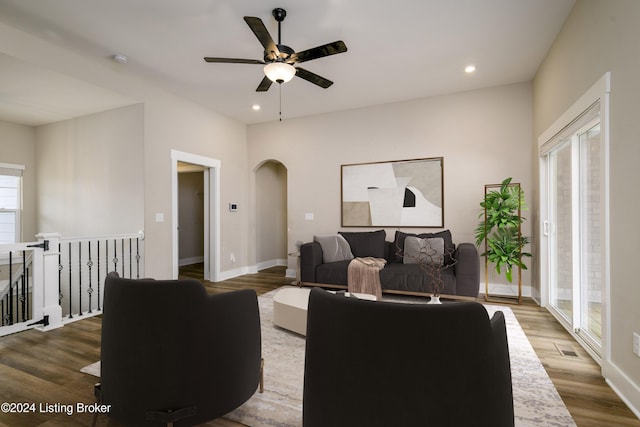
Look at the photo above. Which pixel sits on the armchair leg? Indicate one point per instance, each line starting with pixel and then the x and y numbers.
pixel 97 392
pixel 262 375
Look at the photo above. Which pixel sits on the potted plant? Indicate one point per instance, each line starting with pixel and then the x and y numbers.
pixel 430 255
pixel 501 227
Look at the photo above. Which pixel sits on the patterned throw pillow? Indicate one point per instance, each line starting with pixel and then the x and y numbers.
pixel 400 237
pixel 429 250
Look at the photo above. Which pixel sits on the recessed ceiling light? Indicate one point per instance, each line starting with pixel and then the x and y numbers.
pixel 469 69
pixel 121 59
pixel 255 107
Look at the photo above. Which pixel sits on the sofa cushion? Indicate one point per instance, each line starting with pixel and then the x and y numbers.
pixel 429 250
pixel 449 247
pixel 334 248
pixel 333 273
pixel 413 278
pixel 366 243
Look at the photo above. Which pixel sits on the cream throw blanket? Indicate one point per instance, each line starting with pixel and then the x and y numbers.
pixel 363 276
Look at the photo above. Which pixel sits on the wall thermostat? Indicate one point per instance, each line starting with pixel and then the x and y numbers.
pixel 233 207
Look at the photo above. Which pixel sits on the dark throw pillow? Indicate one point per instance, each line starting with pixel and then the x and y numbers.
pixel 366 243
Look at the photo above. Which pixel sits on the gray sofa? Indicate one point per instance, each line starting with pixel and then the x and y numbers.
pixel 460 273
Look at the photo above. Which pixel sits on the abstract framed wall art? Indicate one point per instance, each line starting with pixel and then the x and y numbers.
pixel 402 193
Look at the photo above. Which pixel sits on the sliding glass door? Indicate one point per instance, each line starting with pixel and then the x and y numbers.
pixel 591 251
pixel 574 228
pixel 560 231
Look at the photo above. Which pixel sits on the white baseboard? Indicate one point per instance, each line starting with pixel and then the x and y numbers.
pixel 251 269
pixel 271 263
pixel 290 273
pixel 622 385
pixel 507 290
pixel 230 274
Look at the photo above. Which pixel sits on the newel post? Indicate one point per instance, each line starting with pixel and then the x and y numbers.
pixel 46 272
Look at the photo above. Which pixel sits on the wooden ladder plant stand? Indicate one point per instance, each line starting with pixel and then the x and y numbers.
pixel 501 298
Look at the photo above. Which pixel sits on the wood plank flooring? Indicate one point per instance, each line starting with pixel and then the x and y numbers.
pixel 45 367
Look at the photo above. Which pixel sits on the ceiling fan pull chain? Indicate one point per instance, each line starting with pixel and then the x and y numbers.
pixel 280 86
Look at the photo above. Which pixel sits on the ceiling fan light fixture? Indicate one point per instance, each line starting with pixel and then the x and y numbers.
pixel 279 72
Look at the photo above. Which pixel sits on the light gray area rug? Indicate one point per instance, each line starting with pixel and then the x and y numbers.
pixel 93 369
pixel 536 401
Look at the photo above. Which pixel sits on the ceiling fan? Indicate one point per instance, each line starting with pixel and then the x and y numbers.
pixel 279 59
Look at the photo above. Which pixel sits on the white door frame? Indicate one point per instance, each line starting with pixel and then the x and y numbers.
pixel 598 92
pixel 211 211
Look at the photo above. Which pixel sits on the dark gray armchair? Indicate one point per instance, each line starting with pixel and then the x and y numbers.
pixel 173 354
pixel 391 364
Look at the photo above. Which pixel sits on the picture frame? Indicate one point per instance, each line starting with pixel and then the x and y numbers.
pixel 398 193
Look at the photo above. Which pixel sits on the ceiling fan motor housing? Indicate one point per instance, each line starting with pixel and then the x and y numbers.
pixel 285 54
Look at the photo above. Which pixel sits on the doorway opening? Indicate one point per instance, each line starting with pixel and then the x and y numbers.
pixel 271 215
pixel 209 193
pixel 191 234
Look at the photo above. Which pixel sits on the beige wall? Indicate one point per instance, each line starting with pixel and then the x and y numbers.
pixel 175 124
pixel 17 146
pixel 484 137
pixel 90 175
pixel 169 122
pixel 598 37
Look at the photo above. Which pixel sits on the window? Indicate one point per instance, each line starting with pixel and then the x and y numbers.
pixel 10 203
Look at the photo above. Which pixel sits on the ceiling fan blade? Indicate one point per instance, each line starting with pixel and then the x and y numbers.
pixel 320 51
pixel 261 32
pixel 264 85
pixel 233 60
pixel 313 78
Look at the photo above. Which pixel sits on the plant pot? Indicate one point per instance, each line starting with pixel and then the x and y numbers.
pixel 435 299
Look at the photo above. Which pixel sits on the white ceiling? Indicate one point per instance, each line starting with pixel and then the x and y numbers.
pixel 397 51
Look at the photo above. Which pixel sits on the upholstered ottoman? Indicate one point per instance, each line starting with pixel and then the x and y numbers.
pixel 290 308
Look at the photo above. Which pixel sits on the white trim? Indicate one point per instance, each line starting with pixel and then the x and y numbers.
pixel 9 168
pixel 253 269
pixel 212 211
pixel 271 263
pixel 291 273
pixel 508 290
pixel 596 92
pixel 139 234
pixel 230 274
pixel 12 166
pixel 622 385
pixel 207 226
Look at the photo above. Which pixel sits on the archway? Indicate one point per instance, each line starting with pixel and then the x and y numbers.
pixel 271 214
